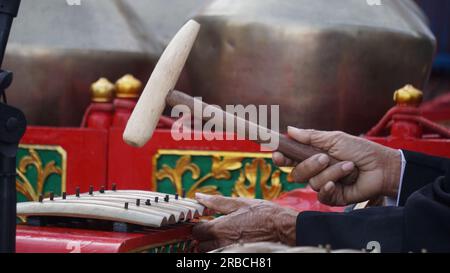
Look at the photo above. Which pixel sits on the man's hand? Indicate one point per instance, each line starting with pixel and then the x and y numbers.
pixel 245 220
pixel 379 167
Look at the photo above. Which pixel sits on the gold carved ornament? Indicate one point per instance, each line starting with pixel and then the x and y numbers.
pixel 23 185
pixel 102 90
pixel 175 174
pixel 408 95
pixel 221 168
pixel 128 87
pixel 250 174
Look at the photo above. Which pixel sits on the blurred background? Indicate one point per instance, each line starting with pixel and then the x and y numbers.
pixel 328 64
pixel 439 21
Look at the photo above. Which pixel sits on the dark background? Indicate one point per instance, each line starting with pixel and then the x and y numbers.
pixel 438 12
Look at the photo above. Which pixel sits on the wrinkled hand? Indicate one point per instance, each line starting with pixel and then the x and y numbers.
pixel 379 167
pixel 245 220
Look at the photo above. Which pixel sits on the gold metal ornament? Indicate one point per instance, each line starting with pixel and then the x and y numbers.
pixel 102 90
pixel 128 87
pixel 408 95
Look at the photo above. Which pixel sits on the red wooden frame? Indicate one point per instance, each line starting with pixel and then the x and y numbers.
pixel 86 150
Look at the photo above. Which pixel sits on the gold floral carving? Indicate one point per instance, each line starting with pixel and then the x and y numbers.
pixel 270 182
pixel 220 169
pixel 23 184
pixel 222 166
pixel 175 175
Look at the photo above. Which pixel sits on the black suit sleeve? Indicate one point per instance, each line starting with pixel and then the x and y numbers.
pixel 422 222
pixel 420 171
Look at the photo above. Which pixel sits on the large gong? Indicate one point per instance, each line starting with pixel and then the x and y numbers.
pixel 328 64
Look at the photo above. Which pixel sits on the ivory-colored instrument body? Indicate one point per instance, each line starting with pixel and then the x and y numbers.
pixel 151 104
pixel 110 206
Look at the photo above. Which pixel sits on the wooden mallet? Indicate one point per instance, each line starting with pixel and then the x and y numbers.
pixel 159 91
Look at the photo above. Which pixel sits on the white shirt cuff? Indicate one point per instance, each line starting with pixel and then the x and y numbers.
pixel 392 201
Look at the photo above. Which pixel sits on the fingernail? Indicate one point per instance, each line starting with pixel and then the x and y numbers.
pixel 348 166
pixel 323 159
pixel 329 186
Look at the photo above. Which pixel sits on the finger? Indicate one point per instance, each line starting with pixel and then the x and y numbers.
pixel 320 139
pixel 221 204
pixel 332 173
pixel 310 167
pixel 326 194
pixel 280 160
pixel 333 194
pixel 301 135
pixel 213 244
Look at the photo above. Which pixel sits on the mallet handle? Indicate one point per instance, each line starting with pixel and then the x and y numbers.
pixel 290 148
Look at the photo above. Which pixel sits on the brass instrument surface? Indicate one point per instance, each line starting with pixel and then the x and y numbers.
pixel 329 65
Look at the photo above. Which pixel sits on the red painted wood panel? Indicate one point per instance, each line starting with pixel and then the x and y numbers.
pixel 435 147
pixel 131 168
pixel 86 153
pixel 70 240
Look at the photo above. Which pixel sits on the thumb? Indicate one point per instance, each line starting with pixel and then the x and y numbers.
pixel 319 139
pixel 221 204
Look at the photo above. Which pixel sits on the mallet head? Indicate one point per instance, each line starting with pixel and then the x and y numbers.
pixel 151 104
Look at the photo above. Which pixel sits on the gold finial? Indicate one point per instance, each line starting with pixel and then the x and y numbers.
pixel 128 87
pixel 408 95
pixel 102 90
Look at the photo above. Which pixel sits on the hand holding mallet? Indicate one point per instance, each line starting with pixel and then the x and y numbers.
pixel 159 91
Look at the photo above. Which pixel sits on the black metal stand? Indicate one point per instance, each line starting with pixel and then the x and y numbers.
pixel 12 128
